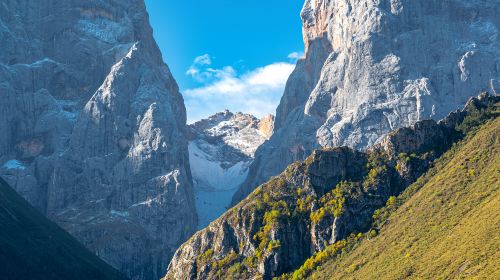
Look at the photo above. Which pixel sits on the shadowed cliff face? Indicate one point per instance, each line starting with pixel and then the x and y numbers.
pixel 374 66
pixel 95 123
pixel 33 245
pixel 318 203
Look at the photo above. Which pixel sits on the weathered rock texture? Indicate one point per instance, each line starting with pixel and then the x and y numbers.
pixel 221 148
pixel 93 128
pixel 315 203
pixel 373 66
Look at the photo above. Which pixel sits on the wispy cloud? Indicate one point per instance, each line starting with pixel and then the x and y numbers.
pixel 295 56
pixel 257 92
pixel 201 71
pixel 203 60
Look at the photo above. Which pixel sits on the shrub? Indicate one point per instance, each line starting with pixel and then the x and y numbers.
pixel 371 234
pixel 271 217
pixel 235 269
pixel 266 198
pixel 273 244
pixel 317 259
pixel 205 257
pixel 317 215
pixel 374 175
pixel 391 201
pixel 259 204
pixel 475 117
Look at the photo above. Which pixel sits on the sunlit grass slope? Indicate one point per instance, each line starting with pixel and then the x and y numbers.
pixel 448 224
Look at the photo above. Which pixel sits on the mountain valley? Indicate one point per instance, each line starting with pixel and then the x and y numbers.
pixel 381 160
pixel 221 148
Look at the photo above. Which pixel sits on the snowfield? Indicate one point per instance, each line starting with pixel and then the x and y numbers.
pixel 221 149
pixel 214 185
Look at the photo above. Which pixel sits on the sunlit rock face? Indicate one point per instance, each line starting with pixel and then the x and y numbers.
pixel 93 128
pixel 374 66
pixel 221 148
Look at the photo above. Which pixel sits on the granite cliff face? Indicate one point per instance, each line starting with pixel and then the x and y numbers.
pixel 221 148
pixel 314 205
pixel 374 66
pixel 93 128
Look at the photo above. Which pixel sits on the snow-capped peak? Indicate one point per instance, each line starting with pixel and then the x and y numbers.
pixel 221 149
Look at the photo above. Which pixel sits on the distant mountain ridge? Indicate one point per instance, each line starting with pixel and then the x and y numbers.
pixel 221 148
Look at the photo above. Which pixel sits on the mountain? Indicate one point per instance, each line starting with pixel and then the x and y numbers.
pixel 445 227
pixel 311 210
pixel 221 148
pixel 96 128
pixel 32 247
pixel 374 66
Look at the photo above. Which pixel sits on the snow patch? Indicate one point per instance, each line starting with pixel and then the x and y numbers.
pixel 14 164
pixel 38 63
pixel 102 29
pixel 146 202
pixel 210 205
pixel 210 175
pixel 122 214
pixel 171 176
pixel 214 185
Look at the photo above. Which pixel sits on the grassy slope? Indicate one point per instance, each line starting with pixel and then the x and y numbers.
pixel 32 247
pixel 449 229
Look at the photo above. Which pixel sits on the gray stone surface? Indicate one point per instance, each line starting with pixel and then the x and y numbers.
pixel 93 128
pixel 374 66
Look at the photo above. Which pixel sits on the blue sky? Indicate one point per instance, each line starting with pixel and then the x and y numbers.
pixel 228 54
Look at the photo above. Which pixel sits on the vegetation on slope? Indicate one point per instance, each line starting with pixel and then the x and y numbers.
pixel 443 226
pixel 323 207
pixel 32 247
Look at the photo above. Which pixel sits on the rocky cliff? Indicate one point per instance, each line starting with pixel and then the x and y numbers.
pixel 315 204
pixel 221 148
pixel 374 66
pixel 93 128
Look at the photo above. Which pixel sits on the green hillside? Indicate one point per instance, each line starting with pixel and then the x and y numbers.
pixel 444 226
pixel 338 200
pixel 32 247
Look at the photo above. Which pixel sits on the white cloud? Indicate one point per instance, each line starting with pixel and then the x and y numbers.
pixel 257 92
pixel 203 60
pixel 197 71
pixel 295 56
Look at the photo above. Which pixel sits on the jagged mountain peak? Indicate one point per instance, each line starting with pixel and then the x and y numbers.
pixel 243 132
pixel 221 147
pixel 238 119
pixel 373 66
pixel 96 124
